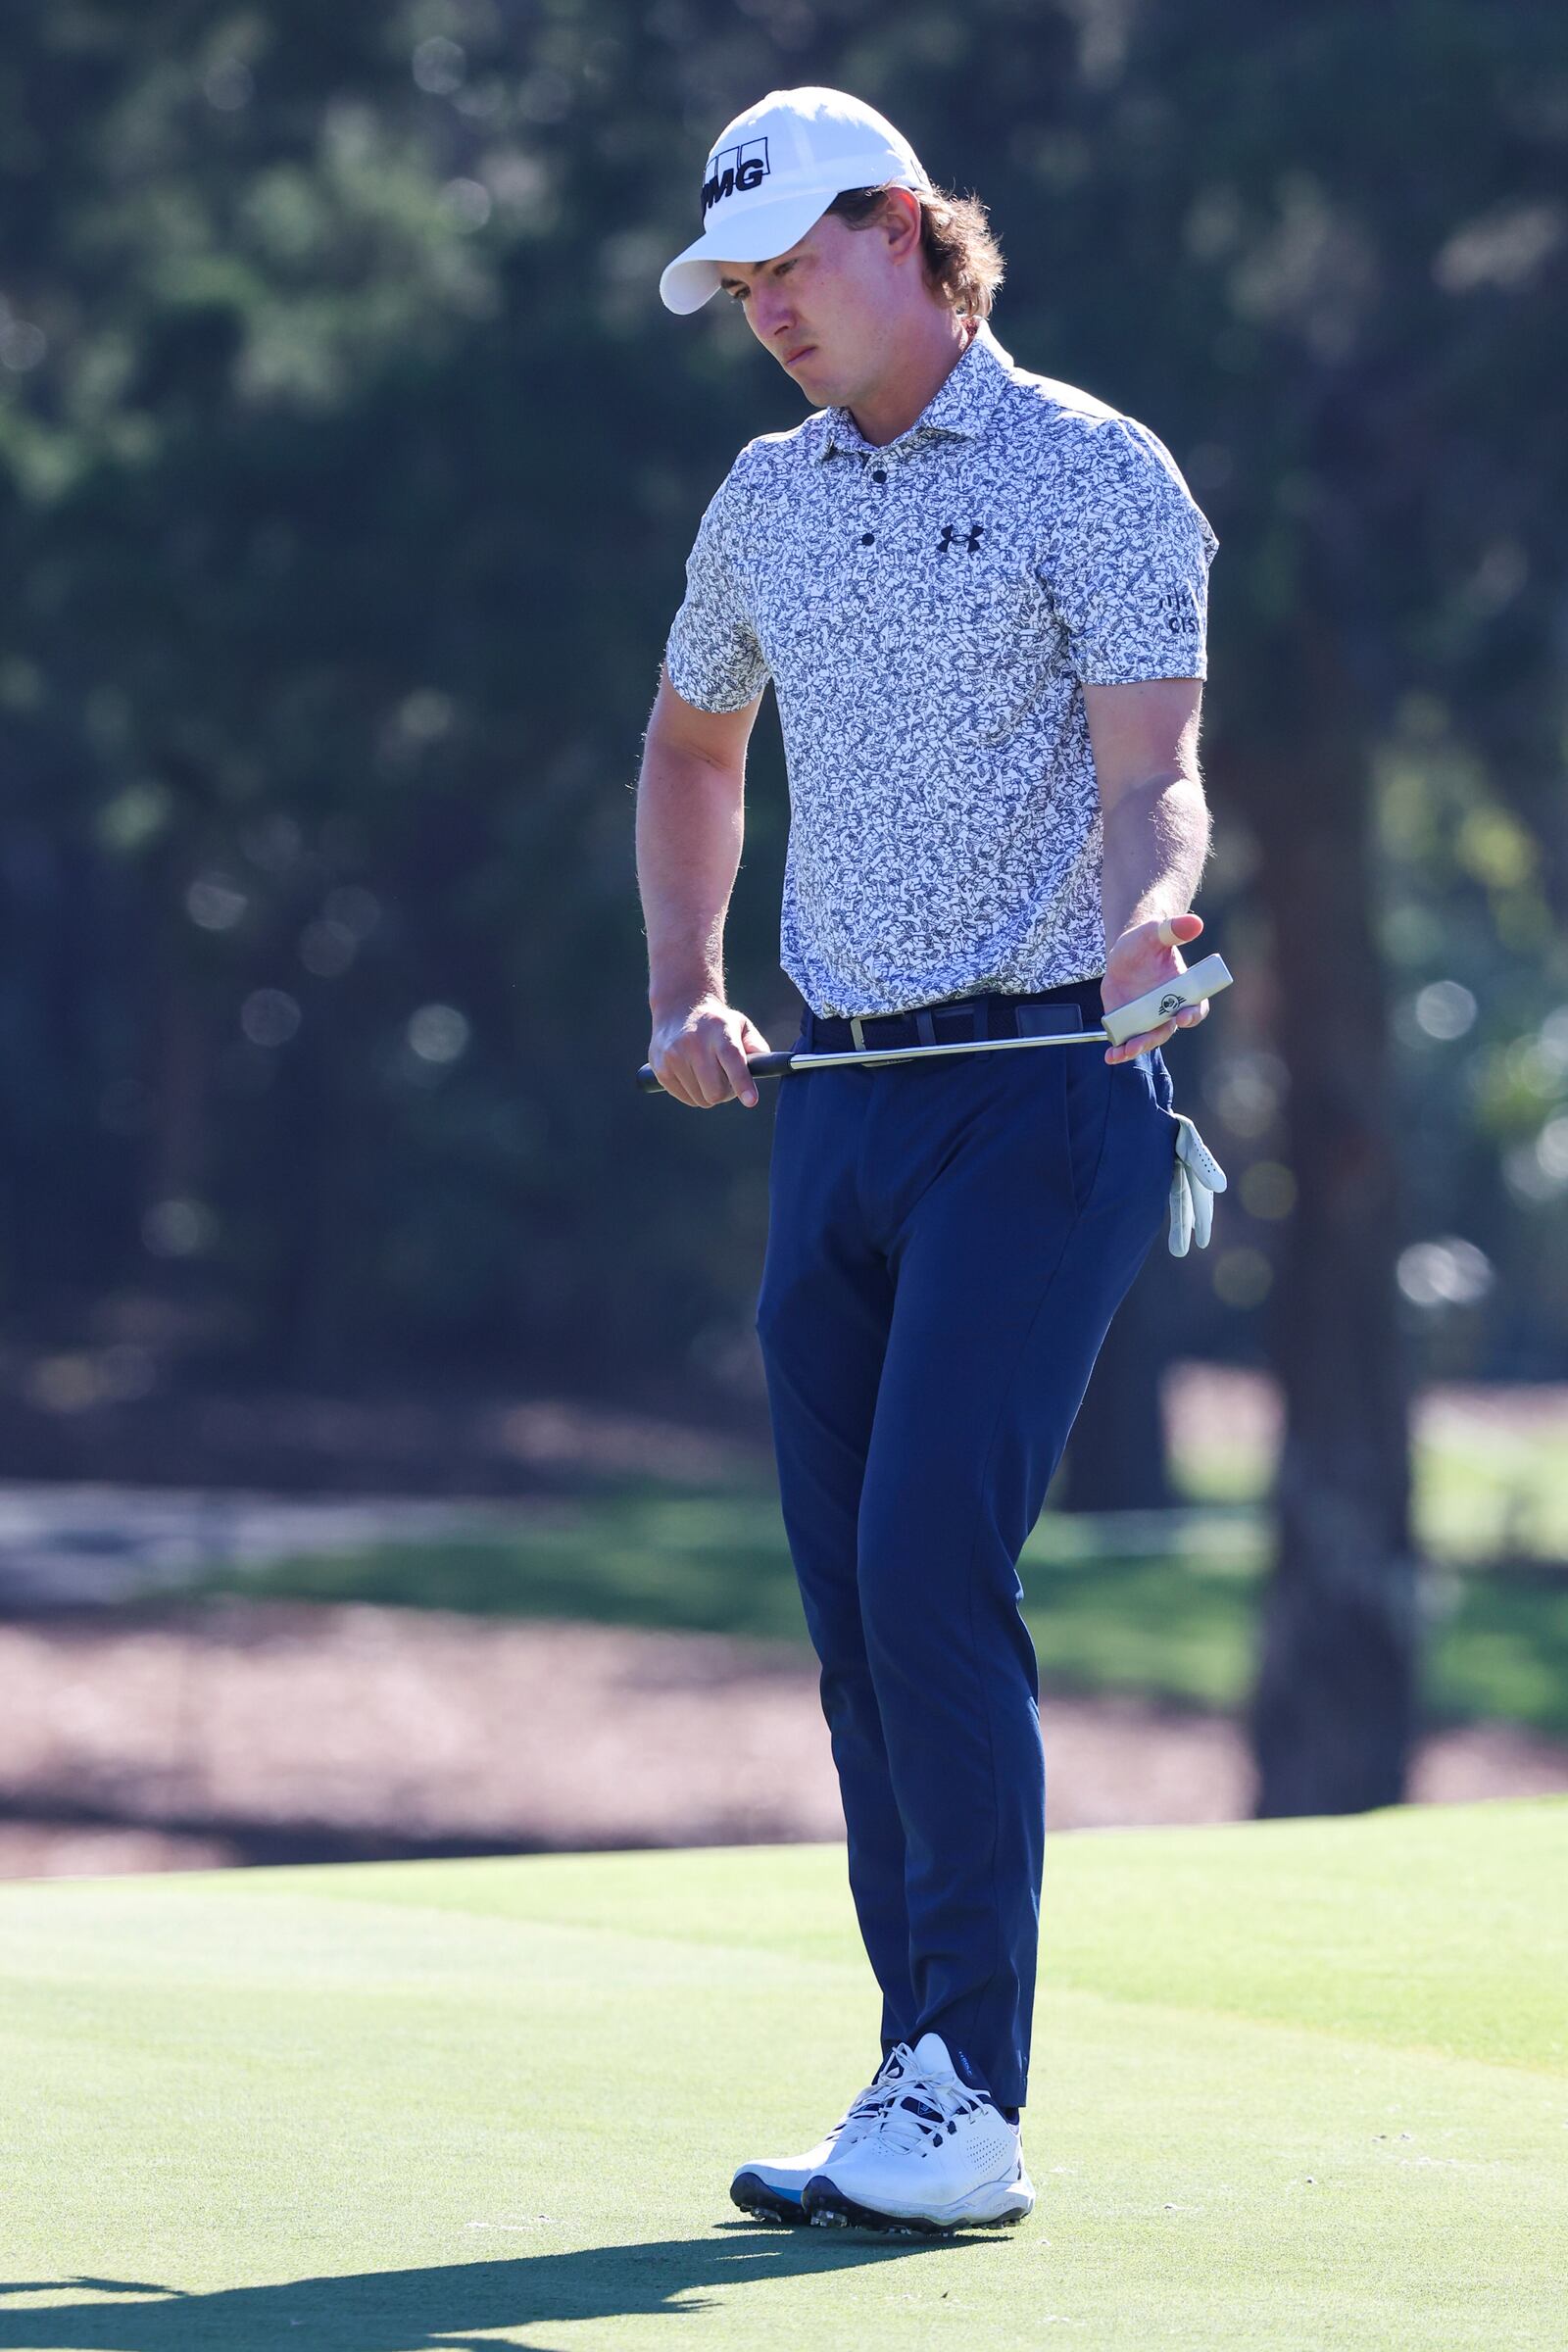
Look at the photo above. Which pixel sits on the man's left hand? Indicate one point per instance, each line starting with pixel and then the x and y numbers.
pixel 1141 959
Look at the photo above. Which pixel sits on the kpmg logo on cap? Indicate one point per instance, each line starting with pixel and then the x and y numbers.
pixel 733 169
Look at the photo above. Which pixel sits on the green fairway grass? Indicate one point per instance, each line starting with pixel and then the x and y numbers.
pixel 1296 2085
pixel 1180 1624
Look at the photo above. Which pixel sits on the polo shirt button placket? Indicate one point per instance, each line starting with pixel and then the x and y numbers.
pixel 878 475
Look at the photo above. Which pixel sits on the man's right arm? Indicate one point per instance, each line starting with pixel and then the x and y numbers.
pixel 690 795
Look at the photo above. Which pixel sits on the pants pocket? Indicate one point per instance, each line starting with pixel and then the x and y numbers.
pixel 1087 1084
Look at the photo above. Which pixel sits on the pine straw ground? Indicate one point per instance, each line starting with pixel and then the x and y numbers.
pixel 220 1730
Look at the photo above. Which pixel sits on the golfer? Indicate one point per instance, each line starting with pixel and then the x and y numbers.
pixel 981 597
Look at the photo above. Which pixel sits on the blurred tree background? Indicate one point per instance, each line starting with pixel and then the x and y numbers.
pixel 348 465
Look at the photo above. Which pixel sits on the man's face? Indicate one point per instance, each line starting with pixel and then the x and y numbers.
pixel 823 309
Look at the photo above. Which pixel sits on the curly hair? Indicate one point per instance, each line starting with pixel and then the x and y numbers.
pixel 959 255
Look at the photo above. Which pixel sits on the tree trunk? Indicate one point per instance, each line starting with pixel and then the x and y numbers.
pixel 1333 1713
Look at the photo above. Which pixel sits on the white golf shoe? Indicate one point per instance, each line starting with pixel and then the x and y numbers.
pixel 938 2155
pixel 771 2186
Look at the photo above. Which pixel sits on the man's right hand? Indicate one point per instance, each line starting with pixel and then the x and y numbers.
pixel 698 1051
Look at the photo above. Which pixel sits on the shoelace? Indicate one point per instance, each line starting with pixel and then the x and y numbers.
pixel 895 2074
pixel 926 2109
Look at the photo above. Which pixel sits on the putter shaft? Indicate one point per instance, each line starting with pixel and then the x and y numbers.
pixel 1203 979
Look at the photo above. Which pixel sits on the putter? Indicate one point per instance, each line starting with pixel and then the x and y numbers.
pixel 1202 979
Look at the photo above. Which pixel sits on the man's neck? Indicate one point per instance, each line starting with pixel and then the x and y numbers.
pixel 882 420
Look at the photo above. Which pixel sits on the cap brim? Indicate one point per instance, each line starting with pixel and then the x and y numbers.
pixel 755 235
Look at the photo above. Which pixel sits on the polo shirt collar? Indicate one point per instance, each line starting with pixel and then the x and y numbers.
pixel 961 404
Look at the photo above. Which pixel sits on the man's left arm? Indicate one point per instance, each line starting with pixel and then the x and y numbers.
pixel 1155 827
pixel 1127 564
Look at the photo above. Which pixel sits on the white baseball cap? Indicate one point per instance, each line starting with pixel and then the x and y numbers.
pixel 774 170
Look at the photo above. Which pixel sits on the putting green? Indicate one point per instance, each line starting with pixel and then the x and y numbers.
pixel 1297 2083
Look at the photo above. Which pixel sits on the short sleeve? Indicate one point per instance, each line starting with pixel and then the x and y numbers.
pixel 1128 560
pixel 712 654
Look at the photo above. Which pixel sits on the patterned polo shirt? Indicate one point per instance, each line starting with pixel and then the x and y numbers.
pixel 930 611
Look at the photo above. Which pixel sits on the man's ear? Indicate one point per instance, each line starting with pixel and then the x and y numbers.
pixel 901 217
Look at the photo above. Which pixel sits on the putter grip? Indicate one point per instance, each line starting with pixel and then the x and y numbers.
pixel 761 1065
pixel 1156 1006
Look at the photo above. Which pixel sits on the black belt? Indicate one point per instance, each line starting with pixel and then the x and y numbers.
pixel 1040 1013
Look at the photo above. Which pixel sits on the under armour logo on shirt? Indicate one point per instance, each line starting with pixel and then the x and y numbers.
pixel 950 532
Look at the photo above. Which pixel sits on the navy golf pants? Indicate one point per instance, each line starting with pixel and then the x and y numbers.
pixel 946 1245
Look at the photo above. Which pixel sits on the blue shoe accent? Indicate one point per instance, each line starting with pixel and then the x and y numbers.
pixel 766 2200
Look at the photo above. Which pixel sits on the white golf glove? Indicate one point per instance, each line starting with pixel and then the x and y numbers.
pixel 1196 1178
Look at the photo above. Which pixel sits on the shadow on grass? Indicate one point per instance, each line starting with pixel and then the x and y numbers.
pixel 398 2311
